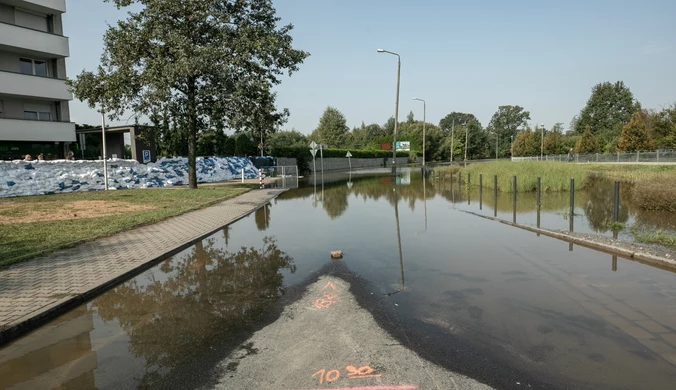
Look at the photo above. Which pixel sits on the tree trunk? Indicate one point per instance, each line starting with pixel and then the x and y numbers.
pixel 192 137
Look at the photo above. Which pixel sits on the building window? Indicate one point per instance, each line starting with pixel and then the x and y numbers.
pixel 37 116
pixel 34 67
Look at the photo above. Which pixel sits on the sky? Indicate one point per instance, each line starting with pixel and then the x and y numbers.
pixel 468 56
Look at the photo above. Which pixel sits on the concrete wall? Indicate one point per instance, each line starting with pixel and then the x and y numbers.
pixel 342 164
pixel 138 145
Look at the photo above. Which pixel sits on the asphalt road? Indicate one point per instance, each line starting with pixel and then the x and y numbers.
pixel 325 340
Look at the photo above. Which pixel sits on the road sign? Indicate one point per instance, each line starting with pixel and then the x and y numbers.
pixel 348 155
pixel 146 156
pixel 314 152
pixel 313 145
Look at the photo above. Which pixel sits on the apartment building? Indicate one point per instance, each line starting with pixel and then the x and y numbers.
pixel 34 114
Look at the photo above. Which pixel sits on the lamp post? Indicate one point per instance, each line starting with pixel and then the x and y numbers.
pixel 103 146
pixel 396 106
pixel 542 140
pixel 424 119
pixel 511 146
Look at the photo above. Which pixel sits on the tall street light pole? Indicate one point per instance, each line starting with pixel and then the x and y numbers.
pixel 424 121
pixel 542 140
pixel 396 107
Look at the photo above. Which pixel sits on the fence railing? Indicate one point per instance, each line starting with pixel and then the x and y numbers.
pixel 654 156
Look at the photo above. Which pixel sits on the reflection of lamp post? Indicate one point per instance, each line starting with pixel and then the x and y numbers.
pixel 424 119
pixel 396 106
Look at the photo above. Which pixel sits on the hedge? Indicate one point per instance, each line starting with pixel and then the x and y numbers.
pixel 294 152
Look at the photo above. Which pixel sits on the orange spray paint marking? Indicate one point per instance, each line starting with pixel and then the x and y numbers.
pixel 325 302
pixel 329 284
pixel 330 376
pixel 361 372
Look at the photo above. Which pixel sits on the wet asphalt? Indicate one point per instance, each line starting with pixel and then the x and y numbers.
pixel 334 331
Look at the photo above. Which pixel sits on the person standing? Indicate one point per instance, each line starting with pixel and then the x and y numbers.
pixel 570 155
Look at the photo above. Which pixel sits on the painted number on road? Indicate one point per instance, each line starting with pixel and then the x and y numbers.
pixel 352 373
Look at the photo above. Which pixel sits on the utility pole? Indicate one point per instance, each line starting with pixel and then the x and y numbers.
pixel 466 139
pixel 103 144
pixel 452 131
pixel 496 144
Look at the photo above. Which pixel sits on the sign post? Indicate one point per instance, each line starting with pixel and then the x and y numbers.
pixel 313 150
pixel 349 161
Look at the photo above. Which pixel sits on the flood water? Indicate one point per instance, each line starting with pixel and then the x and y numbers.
pixel 572 316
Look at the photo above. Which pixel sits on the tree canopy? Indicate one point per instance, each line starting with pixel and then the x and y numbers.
pixel 609 107
pixel 332 128
pixel 635 135
pixel 505 123
pixel 210 64
pixel 457 118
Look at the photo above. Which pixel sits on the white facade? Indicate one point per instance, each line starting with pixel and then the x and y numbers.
pixel 33 93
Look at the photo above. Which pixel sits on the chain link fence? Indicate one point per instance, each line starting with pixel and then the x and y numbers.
pixel 655 156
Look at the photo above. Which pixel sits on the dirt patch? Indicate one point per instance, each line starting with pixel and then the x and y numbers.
pixel 81 209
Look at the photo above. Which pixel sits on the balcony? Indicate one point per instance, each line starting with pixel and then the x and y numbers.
pixel 23 39
pixel 44 6
pixel 23 130
pixel 19 84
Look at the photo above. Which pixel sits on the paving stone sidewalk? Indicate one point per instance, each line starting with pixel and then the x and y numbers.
pixel 40 288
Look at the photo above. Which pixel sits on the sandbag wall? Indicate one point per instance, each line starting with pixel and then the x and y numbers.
pixel 22 178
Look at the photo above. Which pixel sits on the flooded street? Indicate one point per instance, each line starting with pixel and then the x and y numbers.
pixel 488 301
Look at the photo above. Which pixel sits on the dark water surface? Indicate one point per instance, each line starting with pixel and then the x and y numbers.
pixel 579 319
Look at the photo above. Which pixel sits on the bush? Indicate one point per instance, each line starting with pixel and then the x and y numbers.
pixel 328 153
pixel 655 195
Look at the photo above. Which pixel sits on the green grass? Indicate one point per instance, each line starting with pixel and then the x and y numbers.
pixel 555 176
pixel 22 240
pixel 655 237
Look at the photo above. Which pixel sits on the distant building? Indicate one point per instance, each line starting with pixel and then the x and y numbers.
pixel 34 113
pixel 141 142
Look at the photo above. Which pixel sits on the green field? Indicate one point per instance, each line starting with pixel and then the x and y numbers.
pixel 35 224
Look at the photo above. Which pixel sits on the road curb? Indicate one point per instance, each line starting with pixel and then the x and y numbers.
pixel 610 249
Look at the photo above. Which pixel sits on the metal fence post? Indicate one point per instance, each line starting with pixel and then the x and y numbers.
pixel 468 180
pixel 597 157
pixel 572 196
pixel 618 156
pixel 638 156
pixel 514 200
pixel 658 155
pixel 616 208
pixel 539 191
pixel 495 195
pixel 481 187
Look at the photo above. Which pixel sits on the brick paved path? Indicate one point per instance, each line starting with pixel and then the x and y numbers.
pixel 40 288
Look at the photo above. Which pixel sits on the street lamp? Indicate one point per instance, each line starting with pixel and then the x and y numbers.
pixel 511 146
pixel 424 118
pixel 542 139
pixel 396 106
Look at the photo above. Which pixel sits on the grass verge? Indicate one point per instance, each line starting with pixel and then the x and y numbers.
pixel 655 237
pixel 63 227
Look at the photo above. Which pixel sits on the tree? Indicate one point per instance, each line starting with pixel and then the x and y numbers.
pixel 457 118
pixel 635 135
pixel 609 107
pixel 288 139
pixel 208 63
pixel 410 118
pixel 332 127
pixel 554 140
pixel 662 126
pixel 587 143
pixel 388 127
pixel 504 124
pixel 244 146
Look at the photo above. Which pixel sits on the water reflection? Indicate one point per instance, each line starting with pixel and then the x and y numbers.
pixel 64 350
pixel 170 314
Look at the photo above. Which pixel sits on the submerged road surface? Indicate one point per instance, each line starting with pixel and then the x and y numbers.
pixel 325 340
